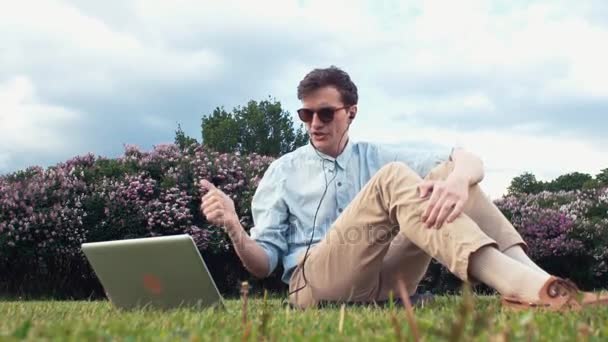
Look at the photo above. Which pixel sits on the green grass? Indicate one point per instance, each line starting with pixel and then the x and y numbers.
pixel 448 318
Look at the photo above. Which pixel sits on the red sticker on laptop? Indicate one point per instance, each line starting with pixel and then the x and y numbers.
pixel 152 284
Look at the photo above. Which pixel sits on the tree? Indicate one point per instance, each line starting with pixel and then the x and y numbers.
pixel 591 184
pixel 263 128
pixel 570 181
pixel 602 177
pixel 525 183
pixel 220 131
pixel 181 139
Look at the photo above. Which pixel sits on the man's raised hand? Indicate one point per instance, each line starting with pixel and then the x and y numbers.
pixel 218 207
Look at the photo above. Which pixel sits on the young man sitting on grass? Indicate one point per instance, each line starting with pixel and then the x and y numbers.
pixel 379 216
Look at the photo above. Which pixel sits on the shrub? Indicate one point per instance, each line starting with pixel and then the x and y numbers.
pixel 567 231
pixel 45 215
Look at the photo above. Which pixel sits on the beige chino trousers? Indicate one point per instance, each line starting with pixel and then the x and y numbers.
pixel 380 238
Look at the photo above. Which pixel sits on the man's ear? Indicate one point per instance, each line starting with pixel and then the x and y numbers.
pixel 352 113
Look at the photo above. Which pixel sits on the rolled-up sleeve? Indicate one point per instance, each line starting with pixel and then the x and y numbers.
pixel 270 215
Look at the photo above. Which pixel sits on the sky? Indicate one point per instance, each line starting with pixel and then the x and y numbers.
pixel 522 84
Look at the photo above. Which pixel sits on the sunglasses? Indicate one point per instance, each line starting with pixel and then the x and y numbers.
pixel 325 114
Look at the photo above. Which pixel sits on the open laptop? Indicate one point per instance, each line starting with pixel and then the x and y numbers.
pixel 159 272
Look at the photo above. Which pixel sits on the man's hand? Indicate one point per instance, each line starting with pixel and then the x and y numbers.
pixel 448 198
pixel 217 207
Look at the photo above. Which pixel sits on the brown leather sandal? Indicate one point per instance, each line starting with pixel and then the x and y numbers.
pixel 558 294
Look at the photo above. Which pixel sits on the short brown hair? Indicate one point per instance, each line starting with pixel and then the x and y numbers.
pixel 332 76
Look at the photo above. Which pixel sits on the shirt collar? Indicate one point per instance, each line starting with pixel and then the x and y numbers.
pixel 343 157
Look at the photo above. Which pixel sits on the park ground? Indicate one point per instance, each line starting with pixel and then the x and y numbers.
pixel 448 318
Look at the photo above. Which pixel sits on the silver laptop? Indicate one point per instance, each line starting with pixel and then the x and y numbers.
pixel 159 272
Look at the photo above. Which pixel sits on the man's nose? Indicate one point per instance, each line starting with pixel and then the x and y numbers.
pixel 316 122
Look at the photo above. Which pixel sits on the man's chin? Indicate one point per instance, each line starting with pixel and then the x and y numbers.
pixel 323 146
pixel 320 143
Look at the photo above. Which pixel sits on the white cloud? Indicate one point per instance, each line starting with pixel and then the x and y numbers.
pixel 496 77
pixel 506 153
pixel 543 49
pixel 80 49
pixel 29 126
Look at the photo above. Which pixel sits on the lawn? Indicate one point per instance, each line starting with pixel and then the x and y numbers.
pixel 451 318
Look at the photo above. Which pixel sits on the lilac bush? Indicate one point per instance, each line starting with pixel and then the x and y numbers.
pixel 546 230
pixel 567 232
pixel 42 211
pixel 45 215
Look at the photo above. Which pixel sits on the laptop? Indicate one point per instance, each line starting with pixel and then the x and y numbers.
pixel 165 272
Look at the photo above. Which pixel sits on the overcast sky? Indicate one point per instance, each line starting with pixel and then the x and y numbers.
pixel 523 84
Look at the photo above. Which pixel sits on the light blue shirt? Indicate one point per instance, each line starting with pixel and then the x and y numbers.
pixel 287 197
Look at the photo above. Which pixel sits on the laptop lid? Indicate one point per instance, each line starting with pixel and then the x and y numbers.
pixel 161 272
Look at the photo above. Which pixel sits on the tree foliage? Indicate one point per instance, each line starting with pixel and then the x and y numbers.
pixel 258 127
pixel 527 183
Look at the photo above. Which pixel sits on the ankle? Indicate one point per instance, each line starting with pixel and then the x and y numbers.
pixel 514 278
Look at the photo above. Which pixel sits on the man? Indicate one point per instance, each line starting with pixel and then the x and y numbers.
pixel 349 220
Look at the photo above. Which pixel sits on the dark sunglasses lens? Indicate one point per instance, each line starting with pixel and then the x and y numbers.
pixel 326 114
pixel 305 114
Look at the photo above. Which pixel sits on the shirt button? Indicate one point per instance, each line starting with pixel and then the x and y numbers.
pixel 340 209
pixel 339 183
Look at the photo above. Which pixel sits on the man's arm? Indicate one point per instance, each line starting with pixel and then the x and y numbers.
pixel 467 166
pixel 219 210
pixel 261 250
pixel 254 258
